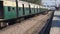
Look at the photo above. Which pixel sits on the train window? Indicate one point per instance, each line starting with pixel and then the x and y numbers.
pixel 9 8
pixel 37 9
pixel 27 9
pixel 19 9
pixel 12 8
pixel 34 9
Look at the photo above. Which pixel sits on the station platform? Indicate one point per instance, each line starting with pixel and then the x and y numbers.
pixel 55 27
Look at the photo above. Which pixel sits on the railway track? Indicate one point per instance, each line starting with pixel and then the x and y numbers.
pixel 29 26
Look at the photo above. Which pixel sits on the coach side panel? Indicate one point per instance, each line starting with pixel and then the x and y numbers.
pixel 9 10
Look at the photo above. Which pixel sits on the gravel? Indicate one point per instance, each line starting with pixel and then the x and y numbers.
pixel 29 26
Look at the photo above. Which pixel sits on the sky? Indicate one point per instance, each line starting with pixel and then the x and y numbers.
pixel 51 2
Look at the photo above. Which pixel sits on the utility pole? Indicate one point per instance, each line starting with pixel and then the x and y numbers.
pixel 17 7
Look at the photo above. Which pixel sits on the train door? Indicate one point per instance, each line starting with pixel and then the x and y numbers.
pixel 1 9
pixel 29 9
pixel 26 9
pixel 10 10
pixel 20 9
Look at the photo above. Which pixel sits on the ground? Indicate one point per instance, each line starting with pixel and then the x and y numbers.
pixel 55 27
pixel 29 26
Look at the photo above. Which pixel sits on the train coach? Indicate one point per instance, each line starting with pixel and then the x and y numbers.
pixel 11 10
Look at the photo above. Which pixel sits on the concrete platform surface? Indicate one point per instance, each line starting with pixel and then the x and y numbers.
pixel 55 27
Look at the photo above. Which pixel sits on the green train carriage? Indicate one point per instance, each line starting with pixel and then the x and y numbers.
pixel 35 9
pixel 20 9
pixel 32 6
pixel 10 10
pixel 38 9
pixel 26 9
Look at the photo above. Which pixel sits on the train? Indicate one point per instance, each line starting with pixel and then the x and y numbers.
pixel 11 10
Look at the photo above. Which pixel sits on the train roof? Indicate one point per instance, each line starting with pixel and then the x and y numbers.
pixel 23 2
pixel 9 0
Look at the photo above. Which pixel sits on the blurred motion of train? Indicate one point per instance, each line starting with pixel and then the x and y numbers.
pixel 11 11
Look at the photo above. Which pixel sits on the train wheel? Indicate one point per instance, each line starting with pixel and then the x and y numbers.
pixel 7 23
pixel 44 13
pixel 18 20
pixel 3 24
pixel 21 19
